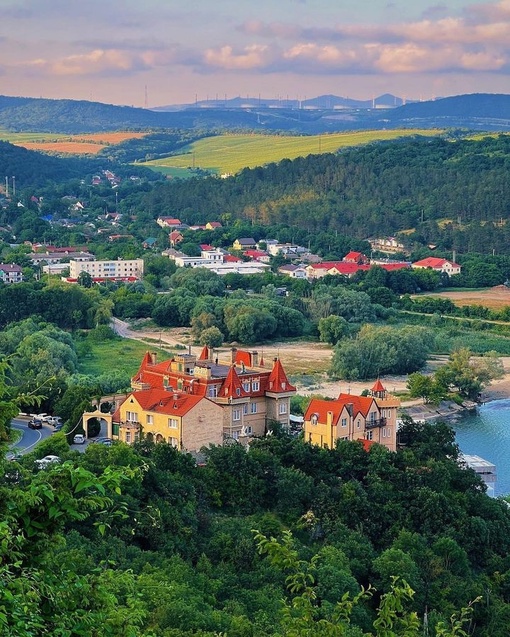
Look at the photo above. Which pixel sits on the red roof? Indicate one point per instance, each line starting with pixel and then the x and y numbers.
pixel 255 254
pixel 165 402
pixel 204 354
pixel 206 246
pixel 278 381
pixel 232 386
pixel 230 258
pixel 435 262
pixel 378 386
pixel 360 404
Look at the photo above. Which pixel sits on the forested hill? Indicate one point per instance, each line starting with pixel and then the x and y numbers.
pixel 479 111
pixel 32 168
pixel 362 192
pixel 485 111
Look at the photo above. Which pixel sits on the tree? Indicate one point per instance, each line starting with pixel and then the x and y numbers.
pixel 212 337
pixel 302 615
pixel 84 279
pixel 467 374
pixel 332 329
pixel 426 387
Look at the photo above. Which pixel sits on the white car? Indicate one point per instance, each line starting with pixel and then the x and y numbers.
pixel 46 461
pixel 53 420
pixel 79 439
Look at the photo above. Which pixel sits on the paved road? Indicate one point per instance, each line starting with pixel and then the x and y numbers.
pixel 29 437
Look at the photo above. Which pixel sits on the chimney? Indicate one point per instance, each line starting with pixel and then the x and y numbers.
pixel 350 408
pixel 255 359
pixel 153 356
pixel 233 352
pixel 329 418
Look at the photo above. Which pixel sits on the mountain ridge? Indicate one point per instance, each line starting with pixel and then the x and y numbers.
pixel 477 111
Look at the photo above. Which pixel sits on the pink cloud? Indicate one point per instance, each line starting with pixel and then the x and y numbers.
pixel 255 56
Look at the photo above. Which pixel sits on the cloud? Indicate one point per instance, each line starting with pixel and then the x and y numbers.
pixel 96 62
pixel 250 58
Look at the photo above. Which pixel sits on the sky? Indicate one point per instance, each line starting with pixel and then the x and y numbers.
pixel 150 53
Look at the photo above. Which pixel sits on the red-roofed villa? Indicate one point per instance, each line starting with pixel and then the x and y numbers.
pixel 367 418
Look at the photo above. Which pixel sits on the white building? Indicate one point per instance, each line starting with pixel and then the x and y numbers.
pixel 120 269
pixel 11 273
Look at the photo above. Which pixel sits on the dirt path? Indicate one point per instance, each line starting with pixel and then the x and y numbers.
pixel 307 363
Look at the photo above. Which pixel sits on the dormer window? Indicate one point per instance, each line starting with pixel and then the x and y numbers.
pixel 284 384
pixel 238 391
pixel 314 419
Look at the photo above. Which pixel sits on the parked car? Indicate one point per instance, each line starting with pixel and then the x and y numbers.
pixel 46 461
pixel 53 420
pixel 79 439
pixel 35 423
pixel 58 427
pixel 103 441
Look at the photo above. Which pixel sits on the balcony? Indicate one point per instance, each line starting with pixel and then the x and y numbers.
pixel 373 424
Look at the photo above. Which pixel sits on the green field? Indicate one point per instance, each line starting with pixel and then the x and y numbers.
pixel 96 358
pixel 20 138
pixel 230 153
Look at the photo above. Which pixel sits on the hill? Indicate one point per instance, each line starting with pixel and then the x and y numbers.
pixel 321 114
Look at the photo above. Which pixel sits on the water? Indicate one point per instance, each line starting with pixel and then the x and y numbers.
pixel 486 433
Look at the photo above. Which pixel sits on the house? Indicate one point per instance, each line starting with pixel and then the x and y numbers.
pixel 333 268
pixel 175 237
pixel 10 273
pixel 356 257
pixel 438 265
pixel 187 422
pixel 169 222
pixel 293 271
pixel 150 242
pixel 213 225
pixel 257 255
pixel 249 396
pixel 244 243
pixel 349 417
pixel 51 258
pixel 387 244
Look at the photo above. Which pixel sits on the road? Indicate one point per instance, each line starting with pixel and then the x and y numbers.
pixel 29 437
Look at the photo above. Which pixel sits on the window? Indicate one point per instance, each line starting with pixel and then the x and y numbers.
pixel 253 408
pixel 246 386
pixel 369 435
pixel 283 408
pixel 173 423
pixel 235 435
pixel 238 391
pixel 173 441
pixel 212 391
pixel 248 430
pixel 150 419
pixel 255 385
pixel 245 409
pixel 236 414
pixel 131 416
pixel 128 436
pixel 358 424
pixel 344 422
pixel 314 419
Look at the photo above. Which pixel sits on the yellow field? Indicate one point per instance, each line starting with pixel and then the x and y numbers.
pixel 231 153
pixel 69 144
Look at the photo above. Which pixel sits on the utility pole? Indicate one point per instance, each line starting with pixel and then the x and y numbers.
pixel 13 186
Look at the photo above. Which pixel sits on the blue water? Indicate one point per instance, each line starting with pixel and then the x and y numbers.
pixel 486 433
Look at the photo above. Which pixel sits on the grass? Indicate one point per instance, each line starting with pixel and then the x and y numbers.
pixel 229 153
pixel 96 356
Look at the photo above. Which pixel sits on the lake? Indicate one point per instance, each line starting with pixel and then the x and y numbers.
pixel 486 433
